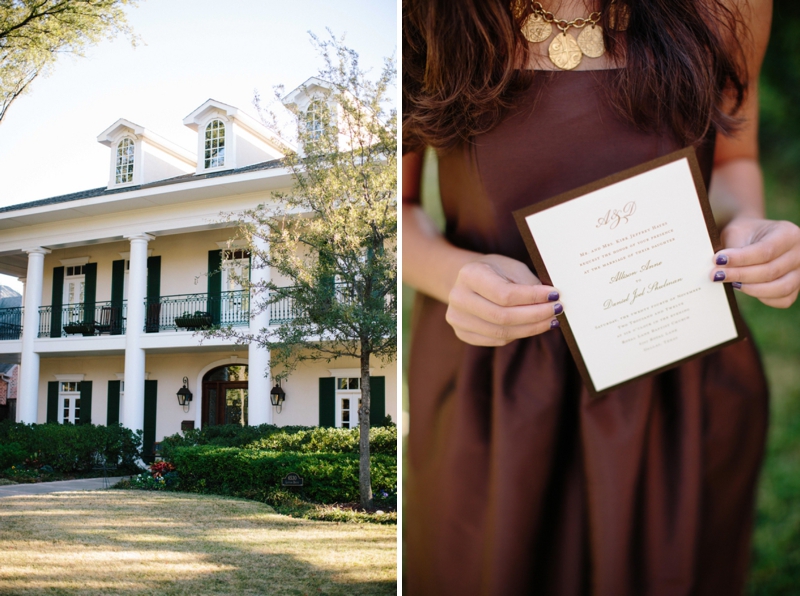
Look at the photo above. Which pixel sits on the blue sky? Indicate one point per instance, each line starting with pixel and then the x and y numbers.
pixel 190 50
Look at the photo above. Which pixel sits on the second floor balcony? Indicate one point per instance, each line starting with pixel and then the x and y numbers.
pixel 182 312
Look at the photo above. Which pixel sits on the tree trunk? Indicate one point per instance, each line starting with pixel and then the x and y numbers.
pixel 364 479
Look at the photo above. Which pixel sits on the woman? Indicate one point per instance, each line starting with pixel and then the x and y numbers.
pixel 519 482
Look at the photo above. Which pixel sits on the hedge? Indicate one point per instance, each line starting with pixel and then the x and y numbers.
pixel 68 448
pixel 330 440
pixel 251 473
pixel 285 438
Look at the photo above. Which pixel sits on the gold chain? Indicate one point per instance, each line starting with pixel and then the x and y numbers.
pixel 565 51
pixel 562 24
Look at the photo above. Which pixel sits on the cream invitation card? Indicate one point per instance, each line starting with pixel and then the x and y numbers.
pixel 632 257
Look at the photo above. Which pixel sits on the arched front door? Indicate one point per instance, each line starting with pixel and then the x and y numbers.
pixel 225 395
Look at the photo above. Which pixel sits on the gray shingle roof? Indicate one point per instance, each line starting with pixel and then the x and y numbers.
pixel 101 192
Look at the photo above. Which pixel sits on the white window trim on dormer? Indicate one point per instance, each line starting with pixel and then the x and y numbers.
pixel 132 163
pixel 230 143
pixel 138 159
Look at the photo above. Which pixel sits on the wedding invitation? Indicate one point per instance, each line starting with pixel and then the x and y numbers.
pixel 632 256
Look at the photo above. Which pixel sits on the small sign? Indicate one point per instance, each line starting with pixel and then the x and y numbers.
pixel 292 479
pixel 187 425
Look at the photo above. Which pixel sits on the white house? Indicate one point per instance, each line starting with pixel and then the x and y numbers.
pixel 117 279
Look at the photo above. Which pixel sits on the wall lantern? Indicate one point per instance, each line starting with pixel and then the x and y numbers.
pixel 277 396
pixel 184 395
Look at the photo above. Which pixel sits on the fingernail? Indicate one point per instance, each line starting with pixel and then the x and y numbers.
pixel 737 285
pixel 554 324
pixel 558 309
pixel 719 276
pixel 552 296
pixel 722 260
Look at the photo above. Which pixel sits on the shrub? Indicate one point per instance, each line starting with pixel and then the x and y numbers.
pixel 296 438
pixel 330 440
pixel 11 454
pixel 67 448
pixel 250 473
pixel 161 476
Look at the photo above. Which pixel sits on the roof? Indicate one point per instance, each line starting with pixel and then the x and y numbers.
pixel 105 191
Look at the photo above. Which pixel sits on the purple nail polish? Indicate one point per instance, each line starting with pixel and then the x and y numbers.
pixel 552 296
pixel 558 309
pixel 719 276
pixel 737 285
pixel 722 260
pixel 554 324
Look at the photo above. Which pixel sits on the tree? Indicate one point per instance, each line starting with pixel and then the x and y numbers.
pixel 34 33
pixel 334 236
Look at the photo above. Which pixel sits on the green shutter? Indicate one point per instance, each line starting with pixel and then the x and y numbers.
pixel 52 397
pixel 153 310
pixel 117 291
pixel 86 402
pixel 327 401
pixel 112 416
pixel 89 293
pixel 215 285
pixel 150 406
pixel 57 302
pixel 377 400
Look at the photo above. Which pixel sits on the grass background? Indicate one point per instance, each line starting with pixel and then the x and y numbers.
pixel 776 551
pixel 151 543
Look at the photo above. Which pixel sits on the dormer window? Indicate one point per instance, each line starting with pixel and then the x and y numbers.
pixel 314 121
pixel 124 161
pixel 215 144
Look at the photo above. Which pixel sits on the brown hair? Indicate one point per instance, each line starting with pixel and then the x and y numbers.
pixel 461 67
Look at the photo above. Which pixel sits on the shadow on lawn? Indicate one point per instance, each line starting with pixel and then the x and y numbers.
pixel 136 543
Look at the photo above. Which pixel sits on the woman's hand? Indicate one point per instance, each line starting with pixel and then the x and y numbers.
pixel 496 300
pixel 762 259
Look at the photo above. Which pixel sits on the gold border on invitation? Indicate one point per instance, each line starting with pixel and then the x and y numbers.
pixel 541 269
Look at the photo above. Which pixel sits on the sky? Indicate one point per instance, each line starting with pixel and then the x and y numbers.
pixel 188 51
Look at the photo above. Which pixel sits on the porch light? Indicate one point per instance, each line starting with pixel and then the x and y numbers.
pixel 184 395
pixel 277 395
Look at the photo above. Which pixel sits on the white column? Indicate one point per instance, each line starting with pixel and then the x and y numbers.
pixel 28 394
pixel 259 385
pixel 133 404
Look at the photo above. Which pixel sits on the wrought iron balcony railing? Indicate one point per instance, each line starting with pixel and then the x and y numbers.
pixel 198 311
pixel 190 312
pixel 87 319
pixel 10 323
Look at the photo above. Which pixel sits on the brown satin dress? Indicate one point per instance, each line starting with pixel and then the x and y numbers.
pixel 520 483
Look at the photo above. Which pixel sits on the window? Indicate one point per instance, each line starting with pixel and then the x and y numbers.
pixel 74 284
pixel 125 161
pixel 235 269
pixel 348 399
pixel 215 144
pixel 69 396
pixel 314 118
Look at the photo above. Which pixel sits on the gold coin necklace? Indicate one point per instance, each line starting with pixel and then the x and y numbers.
pixel 565 51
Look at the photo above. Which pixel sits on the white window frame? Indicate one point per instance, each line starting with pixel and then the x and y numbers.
pixel 230 262
pixel 218 136
pixel 124 163
pixel 354 395
pixel 313 121
pixel 69 397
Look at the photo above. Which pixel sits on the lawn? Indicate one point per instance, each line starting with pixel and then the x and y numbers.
pixel 141 543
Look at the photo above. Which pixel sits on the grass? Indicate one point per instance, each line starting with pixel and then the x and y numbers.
pixel 141 543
